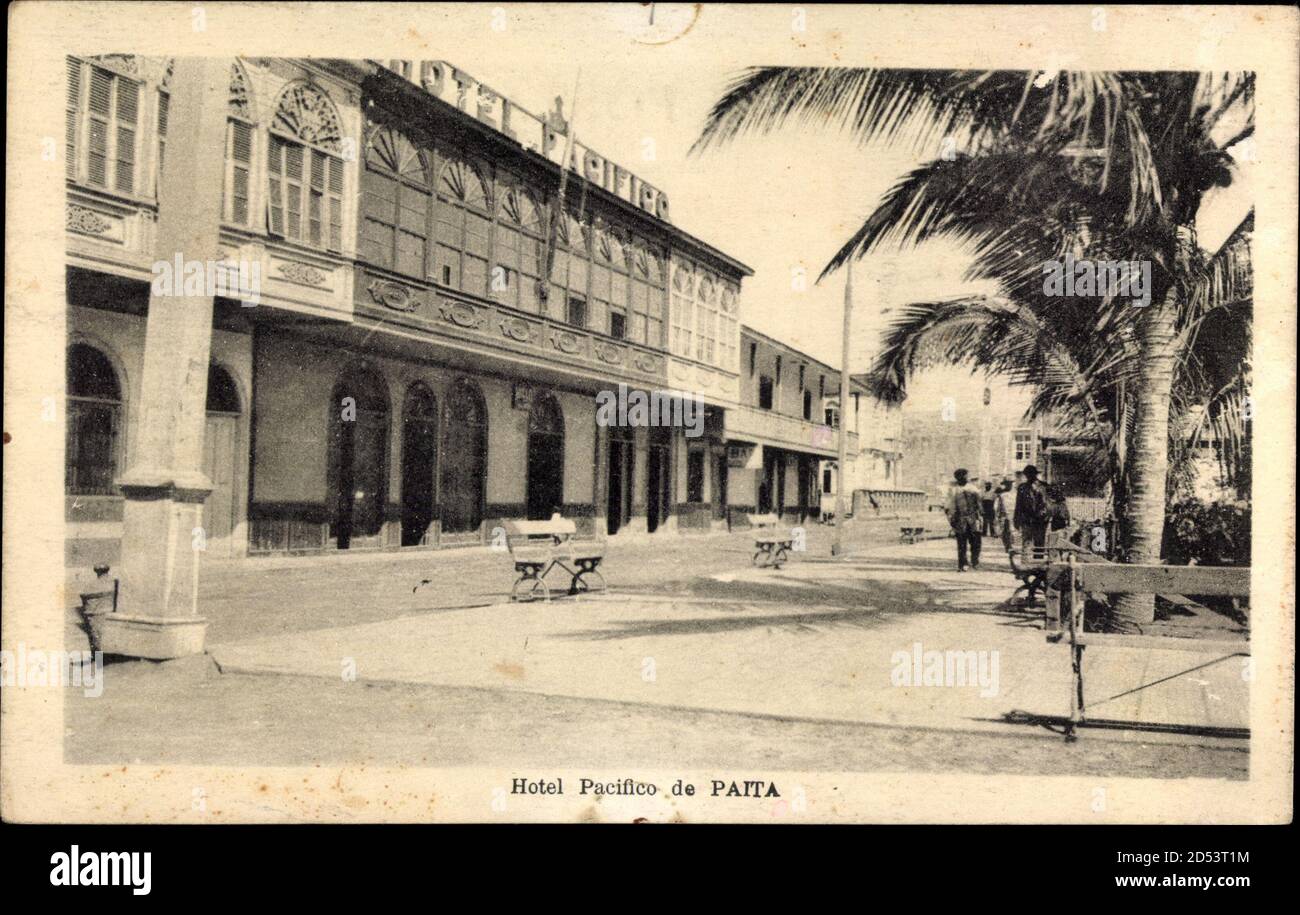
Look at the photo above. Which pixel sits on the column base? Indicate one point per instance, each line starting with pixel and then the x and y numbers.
pixel 151 637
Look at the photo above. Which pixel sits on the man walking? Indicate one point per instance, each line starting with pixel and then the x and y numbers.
pixel 1005 509
pixel 963 509
pixel 987 510
pixel 1033 510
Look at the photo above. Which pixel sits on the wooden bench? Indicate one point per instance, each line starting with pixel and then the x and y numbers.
pixel 1074 580
pixel 770 547
pixel 912 534
pixel 1031 564
pixel 537 547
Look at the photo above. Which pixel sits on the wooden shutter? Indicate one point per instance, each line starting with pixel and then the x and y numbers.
pixel 73 114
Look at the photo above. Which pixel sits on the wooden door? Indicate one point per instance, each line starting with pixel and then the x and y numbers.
pixel 219 443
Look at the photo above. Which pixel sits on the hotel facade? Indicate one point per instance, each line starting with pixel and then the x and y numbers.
pixel 407 373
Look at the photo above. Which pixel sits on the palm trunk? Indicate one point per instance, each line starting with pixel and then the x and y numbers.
pixel 1144 510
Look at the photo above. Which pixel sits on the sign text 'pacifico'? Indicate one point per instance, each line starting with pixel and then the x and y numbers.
pixel 544 135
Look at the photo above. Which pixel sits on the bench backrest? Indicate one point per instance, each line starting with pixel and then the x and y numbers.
pixel 1114 578
pixel 768 520
pixel 532 540
pixel 537 530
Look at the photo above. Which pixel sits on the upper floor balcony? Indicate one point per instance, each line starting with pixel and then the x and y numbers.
pixel 765 427
pixel 348 204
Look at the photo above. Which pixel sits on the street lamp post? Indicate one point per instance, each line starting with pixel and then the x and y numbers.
pixel 837 547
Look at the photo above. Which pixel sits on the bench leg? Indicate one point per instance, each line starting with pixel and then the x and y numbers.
pixel 762 555
pixel 587 580
pixel 530 586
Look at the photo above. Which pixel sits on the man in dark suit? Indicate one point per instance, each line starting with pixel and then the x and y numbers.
pixel 964 514
pixel 1033 509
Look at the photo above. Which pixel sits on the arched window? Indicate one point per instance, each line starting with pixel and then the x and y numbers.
pixel 683 310
pixel 103 115
pixel 706 319
pixel 94 422
pixel 518 250
pixel 464 228
pixel 239 149
pixel 396 202
pixel 570 272
pixel 728 331
pixel 305 169
pixel 647 297
pixel 609 285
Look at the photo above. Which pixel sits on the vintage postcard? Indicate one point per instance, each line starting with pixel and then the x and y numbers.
pixel 649 412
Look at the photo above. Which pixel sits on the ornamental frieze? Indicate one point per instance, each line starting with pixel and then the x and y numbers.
pixel 565 342
pixel 393 295
pixel 299 272
pixel 609 353
pixel 646 363
pixel 515 328
pixel 87 221
pixel 460 314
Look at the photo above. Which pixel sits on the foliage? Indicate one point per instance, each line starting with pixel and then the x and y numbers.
pixel 1208 533
pixel 1094 165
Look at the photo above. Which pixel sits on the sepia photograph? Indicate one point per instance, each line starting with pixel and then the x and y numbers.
pixel 649 412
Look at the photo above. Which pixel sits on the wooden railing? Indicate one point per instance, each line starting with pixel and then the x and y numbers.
pixel 1074 580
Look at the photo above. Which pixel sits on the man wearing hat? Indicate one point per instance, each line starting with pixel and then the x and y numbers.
pixel 1033 509
pixel 963 510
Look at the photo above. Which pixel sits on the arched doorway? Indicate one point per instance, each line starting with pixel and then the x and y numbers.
pixel 464 463
pixel 358 458
pixel 220 457
pixel 419 458
pixel 622 458
pixel 545 459
pixel 94 423
pixel 658 478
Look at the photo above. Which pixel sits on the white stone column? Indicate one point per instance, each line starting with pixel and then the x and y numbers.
pixel 164 489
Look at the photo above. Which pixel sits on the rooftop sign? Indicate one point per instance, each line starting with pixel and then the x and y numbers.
pixel 546 135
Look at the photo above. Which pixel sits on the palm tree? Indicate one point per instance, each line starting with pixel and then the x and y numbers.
pixel 1103 165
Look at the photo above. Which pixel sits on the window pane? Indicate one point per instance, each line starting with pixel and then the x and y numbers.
pixel 410 254
pixel 125 159
pixel 336 224
pixel 475 276
pixel 448 272
pixel 476 234
pixel 101 92
pixel 377 242
pixel 414 211
pixel 97 161
pixel 90 448
pixel 128 102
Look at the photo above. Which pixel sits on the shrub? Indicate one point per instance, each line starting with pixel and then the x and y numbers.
pixel 1207 533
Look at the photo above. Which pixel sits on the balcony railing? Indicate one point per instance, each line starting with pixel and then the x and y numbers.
pixel 778 430
pixel 458 317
